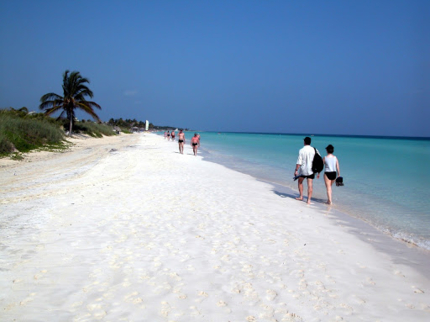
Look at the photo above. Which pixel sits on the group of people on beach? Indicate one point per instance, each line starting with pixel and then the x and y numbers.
pixel 195 140
pixel 304 171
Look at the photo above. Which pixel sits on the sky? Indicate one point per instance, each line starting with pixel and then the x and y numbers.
pixel 312 67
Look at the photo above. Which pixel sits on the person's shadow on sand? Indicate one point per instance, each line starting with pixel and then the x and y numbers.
pixel 284 195
pixel 293 196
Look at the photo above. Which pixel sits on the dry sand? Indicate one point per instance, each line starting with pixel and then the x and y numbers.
pixel 127 229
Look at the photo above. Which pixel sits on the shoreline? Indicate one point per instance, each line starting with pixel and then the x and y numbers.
pixel 418 253
pixel 348 202
pixel 417 257
pixel 133 230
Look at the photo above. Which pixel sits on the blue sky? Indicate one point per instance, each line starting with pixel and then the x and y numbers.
pixel 314 67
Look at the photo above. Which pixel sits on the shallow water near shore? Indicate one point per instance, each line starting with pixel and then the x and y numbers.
pixel 386 184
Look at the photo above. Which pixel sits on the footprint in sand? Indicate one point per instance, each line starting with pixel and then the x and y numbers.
pixel 269 312
pixel 129 297
pixel 417 290
pixel 175 276
pixel 191 268
pixel 93 307
pixel 399 273
pixel 40 247
pixel 225 258
pixel 165 309
pixel 224 306
pixel 99 314
pixel 77 304
pixel 137 300
pixel 303 284
pixel 40 274
pixel 201 293
pixel 126 283
pixel 358 300
pixel 247 268
pixel 271 295
pixel 370 281
pixel 27 299
pixel 195 311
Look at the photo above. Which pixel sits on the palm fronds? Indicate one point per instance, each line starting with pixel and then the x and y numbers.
pixel 74 96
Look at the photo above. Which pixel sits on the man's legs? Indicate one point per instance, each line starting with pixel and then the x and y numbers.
pixel 300 184
pixel 310 190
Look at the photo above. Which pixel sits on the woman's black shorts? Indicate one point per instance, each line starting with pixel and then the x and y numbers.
pixel 331 175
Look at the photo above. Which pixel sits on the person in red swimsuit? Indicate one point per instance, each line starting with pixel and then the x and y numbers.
pixel 181 141
pixel 195 143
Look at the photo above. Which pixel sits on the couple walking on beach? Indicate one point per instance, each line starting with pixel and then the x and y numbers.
pixel 304 169
pixel 195 142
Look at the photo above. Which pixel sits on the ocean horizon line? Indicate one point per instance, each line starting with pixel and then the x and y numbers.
pixel 361 136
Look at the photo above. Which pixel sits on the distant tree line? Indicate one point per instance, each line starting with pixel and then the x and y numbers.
pixel 128 123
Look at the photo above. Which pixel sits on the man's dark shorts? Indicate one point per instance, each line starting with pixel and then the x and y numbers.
pixel 312 176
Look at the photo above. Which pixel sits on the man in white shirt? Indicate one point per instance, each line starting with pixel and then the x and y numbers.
pixel 304 164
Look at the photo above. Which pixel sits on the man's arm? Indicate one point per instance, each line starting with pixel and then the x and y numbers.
pixel 298 163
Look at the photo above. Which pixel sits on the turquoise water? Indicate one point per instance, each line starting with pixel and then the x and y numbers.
pixel 386 179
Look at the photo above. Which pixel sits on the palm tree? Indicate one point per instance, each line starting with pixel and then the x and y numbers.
pixel 74 93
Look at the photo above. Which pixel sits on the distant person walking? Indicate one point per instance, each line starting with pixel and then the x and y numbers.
pixel 195 143
pixel 304 168
pixel 181 141
pixel 168 135
pixel 173 135
pixel 165 134
pixel 331 164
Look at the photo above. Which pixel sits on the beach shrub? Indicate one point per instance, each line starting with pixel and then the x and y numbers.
pixel 93 129
pixel 5 145
pixel 125 130
pixel 26 133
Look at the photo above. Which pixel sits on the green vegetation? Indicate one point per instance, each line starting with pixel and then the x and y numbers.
pixel 20 131
pixel 74 93
pixel 128 124
pixel 96 130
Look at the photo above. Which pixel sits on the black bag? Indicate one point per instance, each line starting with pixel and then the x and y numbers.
pixel 317 163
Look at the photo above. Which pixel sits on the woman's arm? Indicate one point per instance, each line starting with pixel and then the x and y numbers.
pixel 337 167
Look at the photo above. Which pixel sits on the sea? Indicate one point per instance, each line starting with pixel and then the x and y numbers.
pixel 386 180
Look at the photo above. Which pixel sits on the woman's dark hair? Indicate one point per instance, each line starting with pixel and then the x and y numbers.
pixel 329 148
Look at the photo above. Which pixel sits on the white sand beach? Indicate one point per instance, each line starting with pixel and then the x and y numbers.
pixel 127 229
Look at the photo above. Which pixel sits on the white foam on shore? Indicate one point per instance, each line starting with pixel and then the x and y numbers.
pixel 147 234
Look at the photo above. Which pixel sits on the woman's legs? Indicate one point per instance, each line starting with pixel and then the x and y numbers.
pixel 328 184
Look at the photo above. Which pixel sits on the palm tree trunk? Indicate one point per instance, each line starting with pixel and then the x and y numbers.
pixel 71 122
